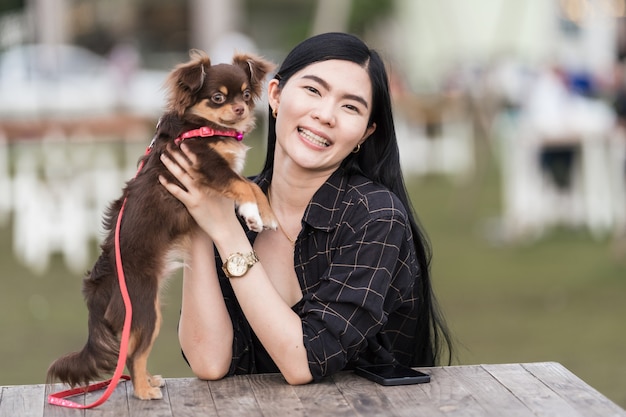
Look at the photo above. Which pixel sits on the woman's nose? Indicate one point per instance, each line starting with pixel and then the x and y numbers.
pixel 324 113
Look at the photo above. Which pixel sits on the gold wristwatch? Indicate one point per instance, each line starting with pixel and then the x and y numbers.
pixel 239 263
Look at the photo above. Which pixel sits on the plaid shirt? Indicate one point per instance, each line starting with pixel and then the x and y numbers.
pixel 356 264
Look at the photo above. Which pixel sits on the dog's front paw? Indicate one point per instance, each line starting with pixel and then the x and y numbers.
pixel 269 221
pixel 250 213
pixel 150 393
pixel 156 381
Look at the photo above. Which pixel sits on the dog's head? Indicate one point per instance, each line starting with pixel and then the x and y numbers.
pixel 224 94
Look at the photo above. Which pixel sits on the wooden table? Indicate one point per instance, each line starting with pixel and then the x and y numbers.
pixel 533 389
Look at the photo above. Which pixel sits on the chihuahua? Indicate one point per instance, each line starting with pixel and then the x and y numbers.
pixel 210 108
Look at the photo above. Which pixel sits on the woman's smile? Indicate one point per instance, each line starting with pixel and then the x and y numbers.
pixel 313 138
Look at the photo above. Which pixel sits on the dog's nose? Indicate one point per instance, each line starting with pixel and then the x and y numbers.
pixel 238 109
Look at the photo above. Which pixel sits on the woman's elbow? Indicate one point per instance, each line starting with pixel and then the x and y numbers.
pixel 297 375
pixel 298 380
pixel 209 371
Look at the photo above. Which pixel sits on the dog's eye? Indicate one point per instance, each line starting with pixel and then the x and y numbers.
pixel 218 98
pixel 247 95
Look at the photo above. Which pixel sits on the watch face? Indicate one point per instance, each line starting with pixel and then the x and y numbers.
pixel 237 265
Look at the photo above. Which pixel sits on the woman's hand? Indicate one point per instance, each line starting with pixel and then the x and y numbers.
pixel 214 213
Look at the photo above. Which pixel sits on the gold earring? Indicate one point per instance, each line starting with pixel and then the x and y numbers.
pixel 275 112
pixel 357 149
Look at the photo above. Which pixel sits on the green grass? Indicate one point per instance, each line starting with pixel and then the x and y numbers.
pixel 558 299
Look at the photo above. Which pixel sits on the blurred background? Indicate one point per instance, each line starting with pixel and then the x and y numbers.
pixel 510 124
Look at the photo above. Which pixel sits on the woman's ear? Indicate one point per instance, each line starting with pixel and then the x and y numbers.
pixel 273 93
pixel 368 132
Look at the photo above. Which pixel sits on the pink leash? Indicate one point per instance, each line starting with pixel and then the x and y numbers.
pixel 59 398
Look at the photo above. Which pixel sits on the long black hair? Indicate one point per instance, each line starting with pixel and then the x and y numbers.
pixel 378 159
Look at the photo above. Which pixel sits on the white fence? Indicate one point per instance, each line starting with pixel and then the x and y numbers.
pixel 56 189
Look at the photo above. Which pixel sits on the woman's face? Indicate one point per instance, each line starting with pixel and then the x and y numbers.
pixel 323 113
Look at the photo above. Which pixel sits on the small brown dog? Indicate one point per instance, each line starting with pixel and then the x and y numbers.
pixel 218 99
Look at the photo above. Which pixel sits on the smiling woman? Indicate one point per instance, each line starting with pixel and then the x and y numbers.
pixel 346 281
pixel 322 118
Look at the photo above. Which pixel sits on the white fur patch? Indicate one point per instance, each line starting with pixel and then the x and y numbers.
pixel 239 158
pixel 175 259
pixel 250 212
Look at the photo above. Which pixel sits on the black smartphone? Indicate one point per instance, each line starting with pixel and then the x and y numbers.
pixel 392 374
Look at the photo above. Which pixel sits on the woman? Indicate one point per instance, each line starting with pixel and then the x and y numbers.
pixel 344 280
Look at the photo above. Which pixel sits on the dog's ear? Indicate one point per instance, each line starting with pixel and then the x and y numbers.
pixel 256 68
pixel 186 80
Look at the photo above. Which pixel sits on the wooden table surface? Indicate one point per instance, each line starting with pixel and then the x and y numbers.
pixel 532 389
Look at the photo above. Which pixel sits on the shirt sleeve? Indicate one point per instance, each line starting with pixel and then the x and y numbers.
pixel 342 317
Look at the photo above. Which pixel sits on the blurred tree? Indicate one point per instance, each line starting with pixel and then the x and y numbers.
pixel 349 15
pixel 11 5
pixel 276 25
pixel 331 15
pixel 366 12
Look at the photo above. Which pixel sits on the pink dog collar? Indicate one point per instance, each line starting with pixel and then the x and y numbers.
pixel 206 131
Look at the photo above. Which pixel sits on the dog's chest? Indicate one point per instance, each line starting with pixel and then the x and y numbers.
pixel 234 152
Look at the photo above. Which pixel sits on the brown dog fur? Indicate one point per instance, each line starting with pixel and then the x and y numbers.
pixel 155 225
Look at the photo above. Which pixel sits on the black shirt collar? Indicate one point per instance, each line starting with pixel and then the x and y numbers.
pixel 322 210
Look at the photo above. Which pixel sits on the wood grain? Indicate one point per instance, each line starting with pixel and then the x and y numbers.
pixel 512 390
pixel 234 397
pixel 24 401
pixel 190 397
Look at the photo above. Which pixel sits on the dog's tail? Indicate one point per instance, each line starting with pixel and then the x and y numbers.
pixel 99 355
pixel 79 368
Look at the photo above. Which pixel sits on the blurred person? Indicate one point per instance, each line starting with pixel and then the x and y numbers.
pixel 344 280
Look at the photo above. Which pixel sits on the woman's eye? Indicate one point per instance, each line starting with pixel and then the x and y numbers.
pixel 218 98
pixel 247 95
pixel 354 109
pixel 312 89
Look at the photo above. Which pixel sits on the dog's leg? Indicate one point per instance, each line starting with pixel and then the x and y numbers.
pixel 156 380
pixel 142 379
pixel 266 212
pixel 247 207
pixel 146 387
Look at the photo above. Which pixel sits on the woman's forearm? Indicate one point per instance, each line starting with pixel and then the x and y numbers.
pixel 278 328
pixel 276 325
pixel 205 329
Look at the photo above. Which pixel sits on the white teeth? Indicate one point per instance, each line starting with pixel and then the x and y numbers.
pixel 312 137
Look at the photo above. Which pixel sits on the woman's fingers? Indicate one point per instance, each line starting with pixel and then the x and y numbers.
pixel 183 157
pixel 176 163
pixel 173 189
pixel 191 157
pixel 210 210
